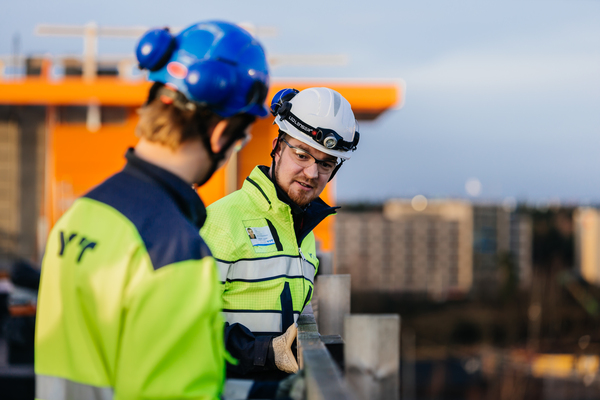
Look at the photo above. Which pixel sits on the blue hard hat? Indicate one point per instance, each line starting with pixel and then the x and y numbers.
pixel 213 63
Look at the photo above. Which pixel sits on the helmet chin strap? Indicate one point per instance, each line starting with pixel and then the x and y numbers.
pixel 336 170
pixel 273 154
pixel 215 158
pixel 234 131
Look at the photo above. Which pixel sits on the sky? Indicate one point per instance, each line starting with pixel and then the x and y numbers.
pixel 503 93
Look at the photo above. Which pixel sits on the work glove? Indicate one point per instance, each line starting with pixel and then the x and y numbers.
pixel 293 387
pixel 282 349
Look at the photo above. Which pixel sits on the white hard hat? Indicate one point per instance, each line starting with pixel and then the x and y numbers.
pixel 320 117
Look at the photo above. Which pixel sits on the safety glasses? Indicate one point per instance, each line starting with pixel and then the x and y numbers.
pixel 304 159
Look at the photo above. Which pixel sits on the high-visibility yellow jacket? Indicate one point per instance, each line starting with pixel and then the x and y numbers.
pixel 130 301
pixel 265 251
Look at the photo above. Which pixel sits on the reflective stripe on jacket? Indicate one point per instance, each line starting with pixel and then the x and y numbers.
pixel 130 299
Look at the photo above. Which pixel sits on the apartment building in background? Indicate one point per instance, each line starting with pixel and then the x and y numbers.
pixel 586 221
pixel 438 248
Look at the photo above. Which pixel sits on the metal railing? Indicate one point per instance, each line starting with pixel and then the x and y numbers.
pixel 324 380
pixel 368 367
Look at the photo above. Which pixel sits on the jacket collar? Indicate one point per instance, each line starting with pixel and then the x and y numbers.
pixel 271 192
pixel 184 196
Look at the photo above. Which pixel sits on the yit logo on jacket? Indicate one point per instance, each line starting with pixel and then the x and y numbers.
pixel 84 243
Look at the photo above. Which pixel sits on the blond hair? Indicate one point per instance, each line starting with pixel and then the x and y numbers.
pixel 171 126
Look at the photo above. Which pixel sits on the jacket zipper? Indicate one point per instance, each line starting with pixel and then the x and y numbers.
pixel 302 259
pixel 301 254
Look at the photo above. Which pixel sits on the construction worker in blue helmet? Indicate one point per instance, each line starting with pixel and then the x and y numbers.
pixel 268 276
pixel 130 300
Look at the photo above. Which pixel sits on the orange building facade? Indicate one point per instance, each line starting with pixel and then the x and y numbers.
pixel 78 156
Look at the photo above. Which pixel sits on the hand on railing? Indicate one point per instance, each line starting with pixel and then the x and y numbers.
pixel 282 348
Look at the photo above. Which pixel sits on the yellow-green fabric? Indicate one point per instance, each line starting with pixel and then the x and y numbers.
pixel 254 275
pixel 108 319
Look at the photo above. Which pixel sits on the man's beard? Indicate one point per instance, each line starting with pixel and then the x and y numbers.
pixel 299 198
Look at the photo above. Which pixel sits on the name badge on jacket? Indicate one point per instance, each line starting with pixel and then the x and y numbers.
pixel 260 235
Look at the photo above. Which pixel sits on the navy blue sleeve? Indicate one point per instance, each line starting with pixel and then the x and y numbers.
pixel 263 390
pixel 254 353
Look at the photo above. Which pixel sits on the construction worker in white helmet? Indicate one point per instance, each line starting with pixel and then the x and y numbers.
pixel 268 276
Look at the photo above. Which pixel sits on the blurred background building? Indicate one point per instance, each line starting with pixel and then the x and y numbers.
pixel 439 249
pixel 21 179
pixel 587 243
